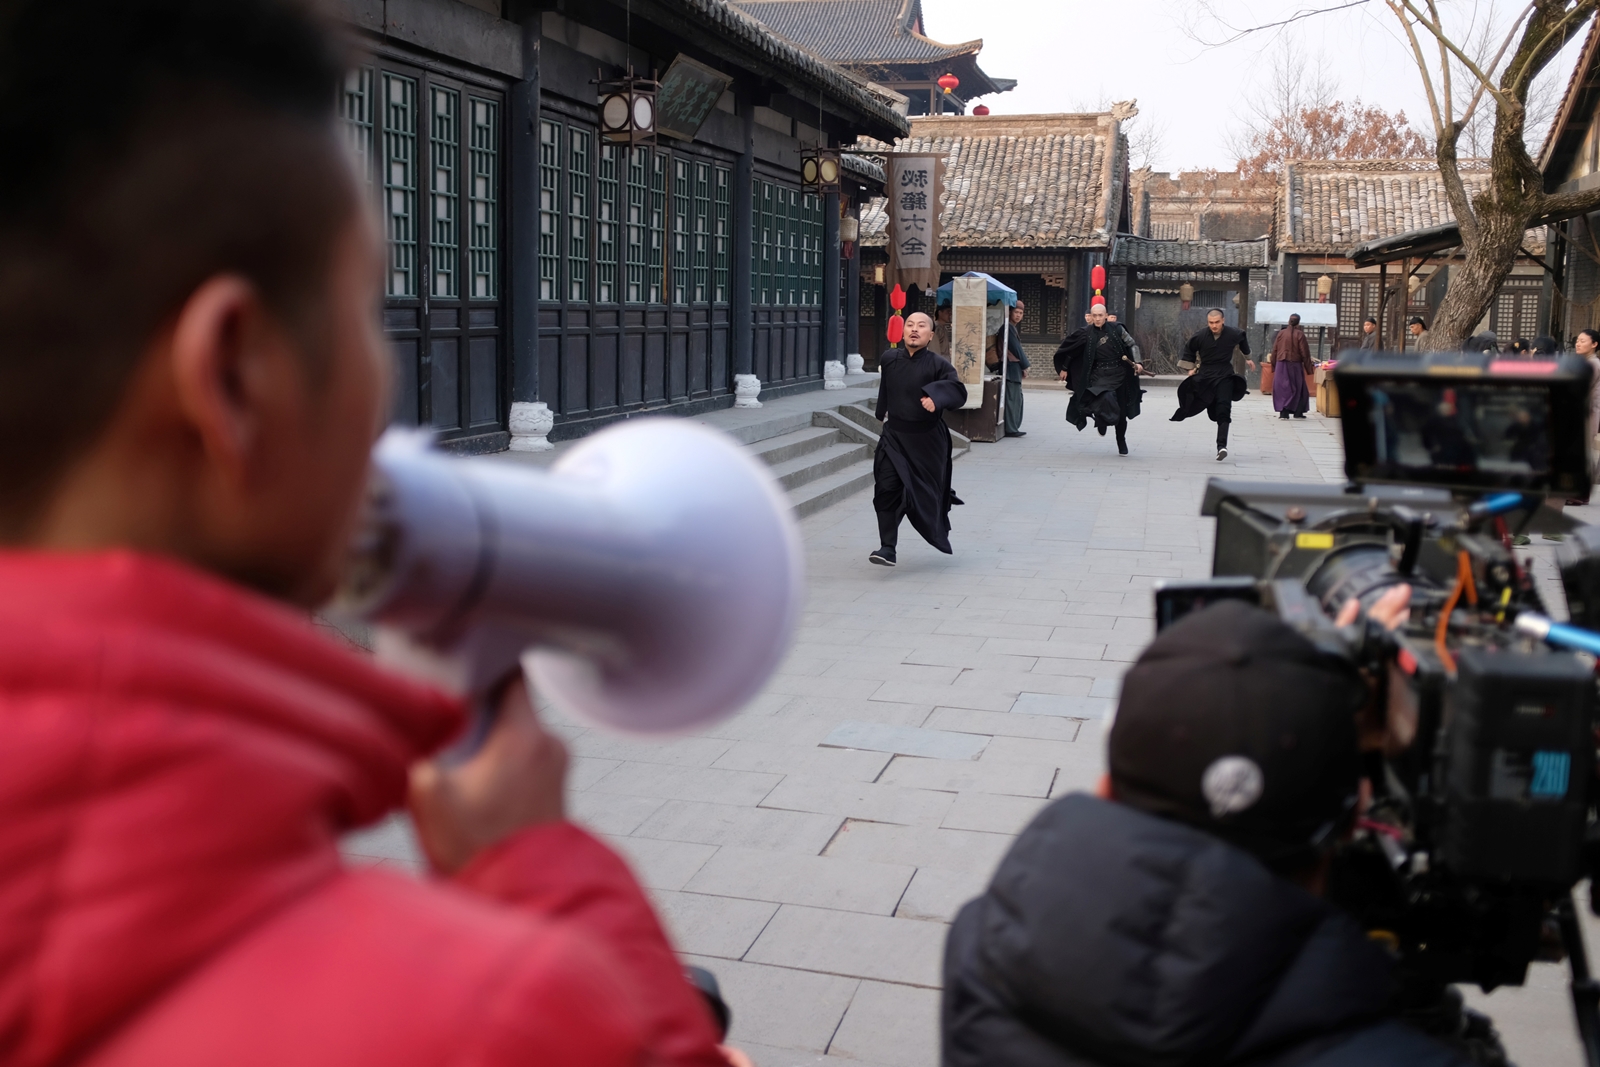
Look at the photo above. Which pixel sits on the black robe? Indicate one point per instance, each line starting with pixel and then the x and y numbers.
pixel 1214 384
pixel 915 444
pixel 1104 402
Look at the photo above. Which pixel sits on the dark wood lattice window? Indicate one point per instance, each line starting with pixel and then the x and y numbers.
pixel 658 225
pixel 719 273
pixel 702 232
pixel 606 215
pixel 444 144
pixel 483 158
pixel 400 181
pixel 579 167
pixel 549 216
pixel 682 207
pixel 638 224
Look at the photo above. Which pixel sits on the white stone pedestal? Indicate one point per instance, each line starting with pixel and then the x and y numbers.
pixel 531 424
pixel 746 387
pixel 833 375
pixel 853 363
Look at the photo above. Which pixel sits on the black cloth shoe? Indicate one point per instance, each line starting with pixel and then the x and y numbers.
pixel 1299 416
pixel 1100 428
pixel 1222 454
pixel 1122 448
pixel 1283 414
pixel 883 557
pixel 1016 433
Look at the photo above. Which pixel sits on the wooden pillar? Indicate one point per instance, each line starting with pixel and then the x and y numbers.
pixel 1383 300
pixel 852 289
pixel 522 218
pixel 1130 297
pixel 832 346
pixel 744 174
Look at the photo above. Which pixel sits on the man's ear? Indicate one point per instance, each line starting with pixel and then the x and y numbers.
pixel 220 359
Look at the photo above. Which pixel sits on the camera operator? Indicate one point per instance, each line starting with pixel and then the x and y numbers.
pixel 191 380
pixel 1179 919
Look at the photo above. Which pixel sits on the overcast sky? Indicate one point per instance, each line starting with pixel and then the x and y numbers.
pixel 1146 50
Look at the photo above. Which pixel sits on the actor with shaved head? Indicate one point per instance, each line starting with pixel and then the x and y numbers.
pixel 912 465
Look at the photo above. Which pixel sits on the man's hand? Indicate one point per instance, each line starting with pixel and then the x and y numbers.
pixel 518 779
pixel 927 403
pixel 1250 363
pixel 1391 609
pixel 1138 368
pixel 1192 370
pixel 1062 375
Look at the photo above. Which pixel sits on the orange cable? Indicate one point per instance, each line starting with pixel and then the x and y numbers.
pixel 1463 582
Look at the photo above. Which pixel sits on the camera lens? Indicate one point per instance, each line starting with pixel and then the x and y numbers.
pixel 1363 571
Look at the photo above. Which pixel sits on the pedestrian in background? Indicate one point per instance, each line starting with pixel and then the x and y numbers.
pixel 1290 358
pixel 1419 331
pixel 1017 365
pixel 1369 333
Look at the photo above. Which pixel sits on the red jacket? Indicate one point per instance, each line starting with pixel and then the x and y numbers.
pixel 178 758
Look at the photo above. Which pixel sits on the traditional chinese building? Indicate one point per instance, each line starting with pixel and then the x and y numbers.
pixel 1382 233
pixel 533 261
pixel 1032 199
pixel 1201 205
pixel 883 41
pixel 1571 163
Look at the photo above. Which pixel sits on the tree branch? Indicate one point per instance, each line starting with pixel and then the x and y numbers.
pixel 1554 207
pixel 1240 35
pixel 1472 106
pixel 1455 50
pixel 1547 47
pixel 1439 125
pixel 1449 93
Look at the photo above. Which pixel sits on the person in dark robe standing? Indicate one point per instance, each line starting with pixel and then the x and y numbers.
pixel 1212 386
pixel 1016 369
pixel 1291 355
pixel 912 466
pixel 1097 363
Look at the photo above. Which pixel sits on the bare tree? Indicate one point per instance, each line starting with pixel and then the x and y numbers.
pixel 1297 84
pixel 1473 75
pixel 1494 220
pixel 1147 142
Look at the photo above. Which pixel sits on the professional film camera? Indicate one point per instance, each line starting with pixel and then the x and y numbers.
pixel 1483 740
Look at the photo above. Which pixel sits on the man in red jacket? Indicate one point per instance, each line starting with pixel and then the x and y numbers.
pixel 190 380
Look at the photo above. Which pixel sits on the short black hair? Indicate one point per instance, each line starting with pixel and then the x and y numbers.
pixel 1216 311
pixel 151 144
pixel 1416 320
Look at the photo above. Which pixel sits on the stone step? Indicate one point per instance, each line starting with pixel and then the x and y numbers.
pixel 812 466
pixel 784 447
pixel 764 429
pixel 812 497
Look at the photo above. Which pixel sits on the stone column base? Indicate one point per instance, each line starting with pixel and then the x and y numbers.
pixel 853 363
pixel 833 375
pixel 746 387
pixel 531 423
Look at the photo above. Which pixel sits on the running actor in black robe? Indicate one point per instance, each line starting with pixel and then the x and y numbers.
pixel 912 464
pixel 1097 363
pixel 1212 386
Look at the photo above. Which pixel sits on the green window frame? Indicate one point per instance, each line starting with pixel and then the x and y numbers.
pixel 638 224
pixel 682 206
pixel 658 226
pixel 400 181
pixel 702 233
pixel 579 168
pixel 483 198
pixel 719 270
pixel 549 215
pixel 606 215
pixel 356 107
pixel 444 149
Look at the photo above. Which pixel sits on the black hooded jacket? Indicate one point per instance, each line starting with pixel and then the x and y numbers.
pixel 1110 937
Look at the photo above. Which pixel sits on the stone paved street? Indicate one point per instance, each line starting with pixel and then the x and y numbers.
pixel 811 850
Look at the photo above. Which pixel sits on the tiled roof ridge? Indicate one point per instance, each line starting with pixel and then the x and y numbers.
pixel 1402 165
pixel 724 15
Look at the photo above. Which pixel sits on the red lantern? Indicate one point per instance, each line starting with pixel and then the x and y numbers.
pixel 948 82
pixel 897 298
pixel 981 109
pixel 897 328
pixel 1097 278
pixel 1098 301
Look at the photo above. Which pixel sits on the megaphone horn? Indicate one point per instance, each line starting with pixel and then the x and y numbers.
pixel 655 569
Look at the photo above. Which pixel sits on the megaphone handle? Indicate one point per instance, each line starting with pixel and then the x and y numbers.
pixel 482 716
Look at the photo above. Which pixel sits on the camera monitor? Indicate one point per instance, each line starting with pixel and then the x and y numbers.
pixel 1466 420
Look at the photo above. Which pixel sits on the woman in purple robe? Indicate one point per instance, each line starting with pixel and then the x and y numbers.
pixel 1291 355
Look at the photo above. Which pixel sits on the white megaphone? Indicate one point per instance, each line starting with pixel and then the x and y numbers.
pixel 655 571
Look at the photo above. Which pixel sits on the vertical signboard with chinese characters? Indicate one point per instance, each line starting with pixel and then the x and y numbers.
pixel 913 195
pixel 969 299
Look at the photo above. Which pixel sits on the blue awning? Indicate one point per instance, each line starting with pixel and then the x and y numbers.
pixel 998 291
